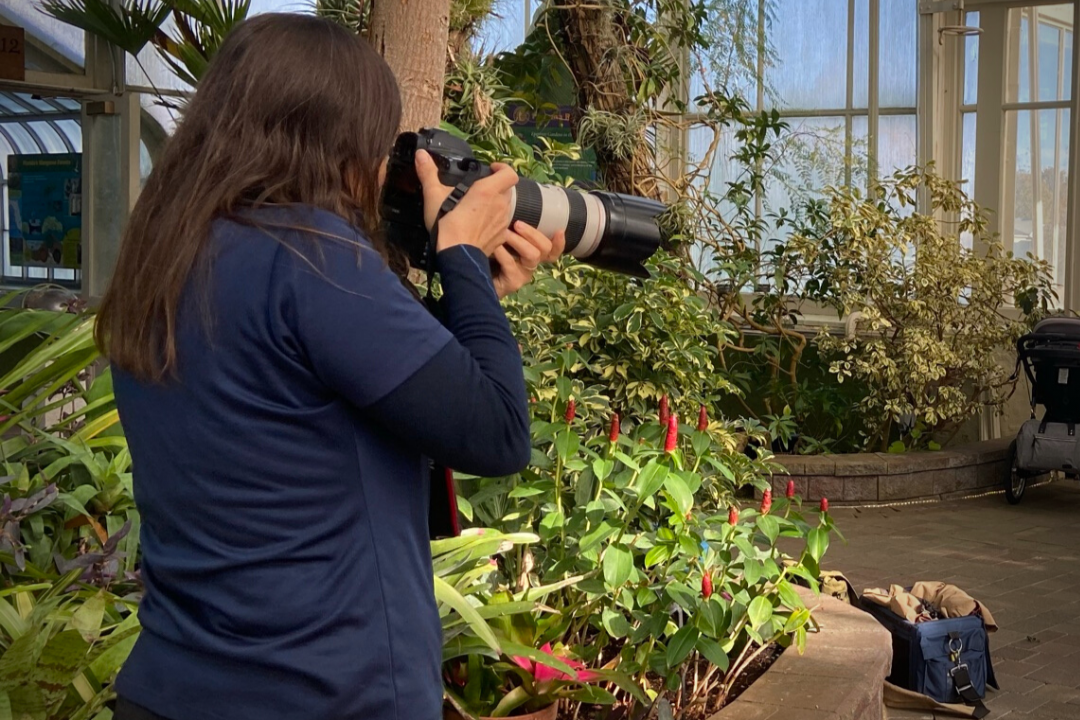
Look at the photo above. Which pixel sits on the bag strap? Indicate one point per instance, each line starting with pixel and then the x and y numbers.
pixel 961 678
pixel 962 681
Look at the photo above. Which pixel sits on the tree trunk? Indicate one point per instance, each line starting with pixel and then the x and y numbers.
pixel 412 36
pixel 593 35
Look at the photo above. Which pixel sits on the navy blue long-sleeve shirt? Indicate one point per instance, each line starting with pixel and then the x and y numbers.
pixel 282 475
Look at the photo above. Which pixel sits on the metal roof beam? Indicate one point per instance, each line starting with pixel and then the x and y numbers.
pixel 38 117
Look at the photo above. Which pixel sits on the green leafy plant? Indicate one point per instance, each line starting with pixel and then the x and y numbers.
pixel 930 315
pixel 616 344
pixel 199 27
pixel 678 582
pixel 62 647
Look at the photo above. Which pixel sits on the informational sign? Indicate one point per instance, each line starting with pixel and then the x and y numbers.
pixel 12 53
pixel 556 127
pixel 45 198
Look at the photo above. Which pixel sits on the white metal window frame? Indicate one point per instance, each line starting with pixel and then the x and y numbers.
pixel 873 110
pixel 942 110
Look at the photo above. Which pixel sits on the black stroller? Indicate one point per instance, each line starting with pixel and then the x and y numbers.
pixel 1050 356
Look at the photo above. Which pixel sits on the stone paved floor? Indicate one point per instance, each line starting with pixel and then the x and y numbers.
pixel 1022 562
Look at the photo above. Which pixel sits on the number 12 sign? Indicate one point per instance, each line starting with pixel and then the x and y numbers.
pixel 12 53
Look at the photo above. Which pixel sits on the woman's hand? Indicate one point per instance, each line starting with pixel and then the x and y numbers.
pixel 530 248
pixel 480 218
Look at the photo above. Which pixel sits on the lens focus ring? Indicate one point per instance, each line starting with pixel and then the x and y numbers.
pixel 575 225
pixel 529 203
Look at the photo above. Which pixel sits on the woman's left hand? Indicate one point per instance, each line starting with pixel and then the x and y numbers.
pixel 530 248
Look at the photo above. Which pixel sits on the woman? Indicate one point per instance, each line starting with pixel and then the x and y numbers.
pixel 280 388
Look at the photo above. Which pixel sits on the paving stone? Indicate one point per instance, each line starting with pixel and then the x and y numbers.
pixel 1070 639
pixel 909 715
pixel 1056 650
pixel 1013 667
pixel 1057 693
pixel 1014 685
pixel 1058 673
pixel 1011 652
pixel 1052 711
pixel 1009 701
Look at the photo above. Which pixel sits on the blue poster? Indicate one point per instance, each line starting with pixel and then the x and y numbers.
pixel 45 213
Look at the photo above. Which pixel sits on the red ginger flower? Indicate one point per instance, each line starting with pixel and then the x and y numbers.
pixel 672 438
pixel 706 585
pixel 543 672
pixel 571 410
pixel 766 502
pixel 824 505
pixel 733 516
pixel 790 489
pixel 613 436
pixel 665 414
pixel 702 419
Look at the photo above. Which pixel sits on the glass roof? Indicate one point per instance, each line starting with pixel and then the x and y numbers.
pixel 31 124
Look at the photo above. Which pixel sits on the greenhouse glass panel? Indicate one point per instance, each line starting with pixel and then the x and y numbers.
pixel 811 44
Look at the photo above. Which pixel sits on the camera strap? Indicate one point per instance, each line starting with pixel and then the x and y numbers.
pixel 448 205
pixel 443 520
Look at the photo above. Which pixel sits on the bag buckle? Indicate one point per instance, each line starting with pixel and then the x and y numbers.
pixel 961 678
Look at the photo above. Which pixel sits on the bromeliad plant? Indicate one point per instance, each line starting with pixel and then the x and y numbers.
pixel 495 663
pixel 521 685
pixel 681 588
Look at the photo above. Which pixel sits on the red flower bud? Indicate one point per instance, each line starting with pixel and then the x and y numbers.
pixel 613 436
pixel 824 505
pixel 790 489
pixel 571 410
pixel 664 412
pixel 766 502
pixel 458 674
pixel 706 586
pixel 672 438
pixel 733 516
pixel 702 419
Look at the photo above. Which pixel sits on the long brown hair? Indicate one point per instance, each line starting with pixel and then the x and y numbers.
pixel 293 109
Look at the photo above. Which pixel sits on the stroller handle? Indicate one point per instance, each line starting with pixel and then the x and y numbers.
pixel 1040 338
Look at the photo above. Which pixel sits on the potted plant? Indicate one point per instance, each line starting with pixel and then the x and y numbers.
pixel 521 687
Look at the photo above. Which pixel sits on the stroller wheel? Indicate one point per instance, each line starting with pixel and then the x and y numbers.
pixel 1015 480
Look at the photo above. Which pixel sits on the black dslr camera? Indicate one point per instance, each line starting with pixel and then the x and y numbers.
pixel 606 230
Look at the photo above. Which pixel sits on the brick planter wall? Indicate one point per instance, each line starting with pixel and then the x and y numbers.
pixel 840 677
pixel 886 477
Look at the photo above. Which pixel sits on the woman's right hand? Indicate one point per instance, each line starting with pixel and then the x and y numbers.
pixel 482 216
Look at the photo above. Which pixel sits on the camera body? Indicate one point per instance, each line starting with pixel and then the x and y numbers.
pixel 403 196
pixel 606 230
